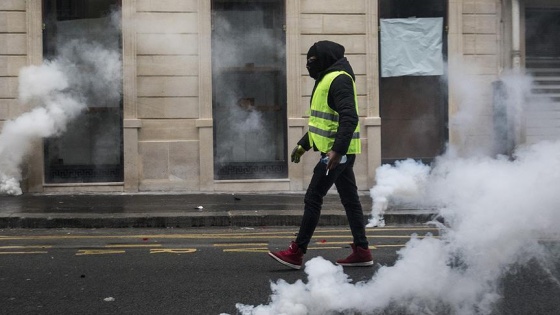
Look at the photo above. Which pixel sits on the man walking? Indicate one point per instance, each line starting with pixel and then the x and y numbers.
pixel 334 131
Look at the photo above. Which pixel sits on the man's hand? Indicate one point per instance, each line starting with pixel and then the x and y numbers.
pixel 334 159
pixel 297 152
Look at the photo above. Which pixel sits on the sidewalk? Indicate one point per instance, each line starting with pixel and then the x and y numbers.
pixel 165 210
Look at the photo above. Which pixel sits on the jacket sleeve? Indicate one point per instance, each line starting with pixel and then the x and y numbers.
pixel 304 142
pixel 341 100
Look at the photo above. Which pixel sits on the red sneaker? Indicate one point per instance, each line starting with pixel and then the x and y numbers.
pixel 360 257
pixel 291 257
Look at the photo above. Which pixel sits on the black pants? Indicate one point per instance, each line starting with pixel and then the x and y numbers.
pixel 345 181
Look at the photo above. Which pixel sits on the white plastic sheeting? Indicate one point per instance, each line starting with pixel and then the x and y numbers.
pixel 411 46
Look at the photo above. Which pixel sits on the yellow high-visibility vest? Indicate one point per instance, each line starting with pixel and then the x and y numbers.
pixel 323 121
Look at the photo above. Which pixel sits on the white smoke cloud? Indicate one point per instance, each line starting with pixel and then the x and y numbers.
pixel 56 91
pixel 496 209
pixel 493 223
pixel 43 86
pixel 406 180
pixel 39 82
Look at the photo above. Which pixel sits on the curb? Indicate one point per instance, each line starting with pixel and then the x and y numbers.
pixel 200 219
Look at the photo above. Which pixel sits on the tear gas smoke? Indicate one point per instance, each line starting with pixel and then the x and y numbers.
pixel 406 180
pixel 247 129
pixel 57 91
pixel 495 212
pixel 42 85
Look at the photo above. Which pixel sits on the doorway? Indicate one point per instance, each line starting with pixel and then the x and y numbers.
pixel 249 89
pixel 84 37
pixel 542 62
pixel 413 103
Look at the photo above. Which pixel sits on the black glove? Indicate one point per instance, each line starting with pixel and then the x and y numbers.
pixel 297 152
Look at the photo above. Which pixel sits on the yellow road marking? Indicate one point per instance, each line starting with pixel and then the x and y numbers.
pixel 271 234
pixel 384 229
pixel 245 250
pixel 25 246
pixel 132 245
pixel 82 252
pixel 265 250
pixel 3 248
pixel 321 248
pixel 401 236
pixel 195 236
pixel 262 249
pixel 332 243
pixel 19 253
pixel 172 250
pixel 239 244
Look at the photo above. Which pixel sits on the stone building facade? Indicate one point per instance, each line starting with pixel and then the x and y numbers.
pixel 169 123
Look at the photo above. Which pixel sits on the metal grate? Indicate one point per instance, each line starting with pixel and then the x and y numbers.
pixel 84 174
pixel 252 170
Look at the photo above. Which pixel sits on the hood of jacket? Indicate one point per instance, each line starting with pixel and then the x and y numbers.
pixel 329 57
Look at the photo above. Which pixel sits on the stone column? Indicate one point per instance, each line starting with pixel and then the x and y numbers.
pixel 372 122
pixel 35 165
pixel 131 124
pixel 205 121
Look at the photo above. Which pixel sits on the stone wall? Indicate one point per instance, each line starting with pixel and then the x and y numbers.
pixel 173 106
pixel 167 99
pixel 13 54
pixel 474 63
pixel 20 45
pixel 168 138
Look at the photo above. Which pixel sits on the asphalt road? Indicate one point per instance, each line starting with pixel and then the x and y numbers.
pixel 190 271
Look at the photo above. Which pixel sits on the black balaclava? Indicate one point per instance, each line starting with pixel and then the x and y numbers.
pixel 326 53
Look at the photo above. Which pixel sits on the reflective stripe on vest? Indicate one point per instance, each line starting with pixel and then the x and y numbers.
pixel 323 121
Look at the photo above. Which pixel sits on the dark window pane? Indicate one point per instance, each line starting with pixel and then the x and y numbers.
pixel 83 37
pixel 249 89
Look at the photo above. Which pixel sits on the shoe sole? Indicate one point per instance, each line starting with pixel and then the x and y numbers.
pixel 284 262
pixel 360 264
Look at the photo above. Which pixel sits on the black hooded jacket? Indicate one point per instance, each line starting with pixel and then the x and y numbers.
pixel 331 58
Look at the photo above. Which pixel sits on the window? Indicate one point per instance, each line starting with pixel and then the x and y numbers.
pixel 84 36
pixel 249 89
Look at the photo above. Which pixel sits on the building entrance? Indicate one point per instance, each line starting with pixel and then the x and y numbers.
pixel 412 89
pixel 542 62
